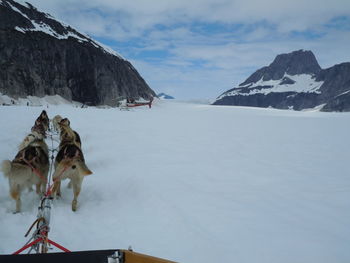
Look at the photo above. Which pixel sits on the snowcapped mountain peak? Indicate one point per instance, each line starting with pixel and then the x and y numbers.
pixel 297 62
pixel 294 63
pixel 292 72
pixel 293 81
pixel 34 20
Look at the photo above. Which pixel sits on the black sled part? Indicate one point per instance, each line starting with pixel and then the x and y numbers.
pixel 94 256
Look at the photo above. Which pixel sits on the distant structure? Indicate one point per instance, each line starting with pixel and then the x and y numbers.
pixel 165 96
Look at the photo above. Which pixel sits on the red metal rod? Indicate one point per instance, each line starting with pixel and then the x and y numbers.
pixel 27 246
pixel 58 245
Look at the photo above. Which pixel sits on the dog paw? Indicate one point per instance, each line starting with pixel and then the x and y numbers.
pixel 74 205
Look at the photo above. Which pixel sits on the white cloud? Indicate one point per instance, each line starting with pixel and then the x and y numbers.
pixel 206 63
pixel 227 65
pixel 138 15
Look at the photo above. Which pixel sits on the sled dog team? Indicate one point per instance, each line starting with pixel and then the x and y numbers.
pixel 31 164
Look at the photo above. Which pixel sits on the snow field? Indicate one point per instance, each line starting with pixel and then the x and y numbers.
pixel 197 183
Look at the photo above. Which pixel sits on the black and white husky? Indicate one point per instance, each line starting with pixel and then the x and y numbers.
pixel 69 162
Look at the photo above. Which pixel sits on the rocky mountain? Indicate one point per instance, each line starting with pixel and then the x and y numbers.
pixel 294 81
pixel 40 55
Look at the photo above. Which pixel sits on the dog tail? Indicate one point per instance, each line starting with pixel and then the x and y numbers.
pixel 6 167
pixel 83 169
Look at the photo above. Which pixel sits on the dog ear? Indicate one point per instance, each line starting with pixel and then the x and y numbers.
pixel 65 122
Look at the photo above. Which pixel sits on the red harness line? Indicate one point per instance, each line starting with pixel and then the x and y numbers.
pixel 58 245
pixel 42 178
pixel 35 170
pixel 67 166
pixel 44 233
pixel 39 240
pixel 58 177
pixel 28 246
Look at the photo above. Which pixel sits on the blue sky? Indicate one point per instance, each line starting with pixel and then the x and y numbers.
pixel 200 48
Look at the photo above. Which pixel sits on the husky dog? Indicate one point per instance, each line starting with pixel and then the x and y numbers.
pixel 34 135
pixel 55 122
pixel 69 163
pixel 29 167
pixel 65 122
pixel 66 132
pixel 39 129
pixel 37 133
pixel 44 119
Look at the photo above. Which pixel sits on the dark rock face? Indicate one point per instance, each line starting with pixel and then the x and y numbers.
pixel 339 103
pixel 287 100
pixel 295 63
pixel 336 79
pixel 293 81
pixel 40 56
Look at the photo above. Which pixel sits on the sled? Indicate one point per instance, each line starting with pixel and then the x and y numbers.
pixel 94 256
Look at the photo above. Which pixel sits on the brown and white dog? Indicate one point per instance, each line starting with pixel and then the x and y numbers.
pixel 66 132
pixel 29 167
pixel 34 135
pixel 38 132
pixel 44 120
pixel 31 164
pixel 69 162
pixel 55 122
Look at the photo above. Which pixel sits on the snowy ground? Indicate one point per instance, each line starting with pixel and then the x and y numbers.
pixel 197 183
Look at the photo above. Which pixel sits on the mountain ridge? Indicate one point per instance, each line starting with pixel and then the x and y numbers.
pixel 40 56
pixel 293 81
